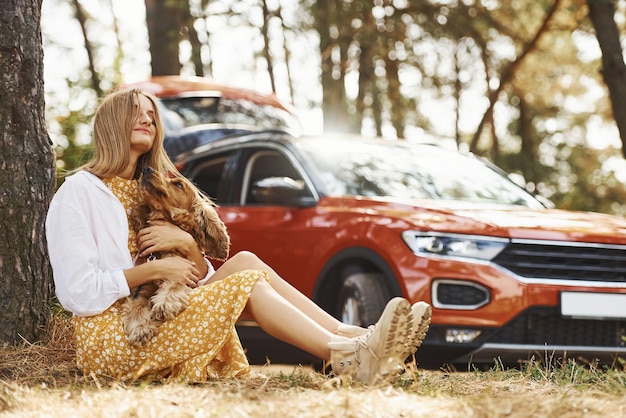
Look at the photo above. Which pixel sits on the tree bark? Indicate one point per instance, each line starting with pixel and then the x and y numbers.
pixel 284 29
pixel 392 71
pixel 334 106
pixel 163 18
pixel 27 175
pixel 194 41
pixel 366 84
pixel 266 44
pixel 119 56
pixel 602 14
pixel 82 21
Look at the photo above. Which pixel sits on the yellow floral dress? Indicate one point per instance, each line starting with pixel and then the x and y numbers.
pixel 200 344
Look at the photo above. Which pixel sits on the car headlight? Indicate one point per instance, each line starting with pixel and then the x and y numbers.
pixel 454 245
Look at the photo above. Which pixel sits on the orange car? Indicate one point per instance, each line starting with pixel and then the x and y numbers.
pixel 192 102
pixel 352 222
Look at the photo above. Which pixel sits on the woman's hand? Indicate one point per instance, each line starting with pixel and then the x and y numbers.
pixel 178 269
pixel 175 268
pixel 162 236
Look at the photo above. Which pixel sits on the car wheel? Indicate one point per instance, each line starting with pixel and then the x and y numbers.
pixel 362 298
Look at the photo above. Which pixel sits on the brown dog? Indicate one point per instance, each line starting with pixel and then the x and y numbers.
pixel 175 200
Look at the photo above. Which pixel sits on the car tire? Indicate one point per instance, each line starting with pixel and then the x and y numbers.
pixel 361 299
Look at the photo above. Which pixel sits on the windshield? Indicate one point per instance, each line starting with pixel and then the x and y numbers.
pixel 404 170
pixel 183 112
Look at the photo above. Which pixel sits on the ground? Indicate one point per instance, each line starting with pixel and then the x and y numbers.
pixel 41 380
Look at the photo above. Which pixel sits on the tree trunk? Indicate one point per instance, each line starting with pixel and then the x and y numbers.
pixel 266 44
pixel 27 175
pixel 194 41
pixel 334 105
pixel 82 21
pixel 392 71
pixel 119 55
pixel 528 155
pixel 602 14
pixel 284 29
pixel 365 96
pixel 164 19
pixel 458 88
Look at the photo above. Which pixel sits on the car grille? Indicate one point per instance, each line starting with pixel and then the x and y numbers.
pixel 457 294
pixel 545 326
pixel 535 259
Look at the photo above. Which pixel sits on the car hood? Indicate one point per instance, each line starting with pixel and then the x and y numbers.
pixel 491 219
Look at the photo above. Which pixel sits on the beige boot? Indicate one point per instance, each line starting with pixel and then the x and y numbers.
pixel 421 314
pixel 350 331
pixel 362 356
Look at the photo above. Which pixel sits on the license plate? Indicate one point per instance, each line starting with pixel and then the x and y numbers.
pixel 593 305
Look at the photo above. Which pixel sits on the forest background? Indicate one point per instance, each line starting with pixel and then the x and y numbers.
pixel 523 83
pixel 537 87
pixel 518 82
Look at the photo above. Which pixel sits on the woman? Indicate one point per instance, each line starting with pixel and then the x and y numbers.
pixel 92 248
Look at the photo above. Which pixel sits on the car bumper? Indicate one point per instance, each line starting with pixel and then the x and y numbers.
pixel 539 333
pixel 516 321
pixel 492 353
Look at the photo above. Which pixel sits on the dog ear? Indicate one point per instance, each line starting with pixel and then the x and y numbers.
pixel 139 217
pixel 183 218
pixel 211 235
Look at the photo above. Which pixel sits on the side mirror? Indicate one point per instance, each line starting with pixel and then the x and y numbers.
pixel 281 191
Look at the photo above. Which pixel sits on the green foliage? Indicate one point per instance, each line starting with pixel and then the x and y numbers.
pixel 297 378
pixel 561 373
pixel 571 372
pixel 74 153
pixel 573 177
pixel 69 114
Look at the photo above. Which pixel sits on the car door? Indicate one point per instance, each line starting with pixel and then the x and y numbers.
pixel 279 234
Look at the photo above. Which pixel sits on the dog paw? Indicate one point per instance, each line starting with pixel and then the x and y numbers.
pixel 140 335
pixel 167 311
pixel 138 325
pixel 167 303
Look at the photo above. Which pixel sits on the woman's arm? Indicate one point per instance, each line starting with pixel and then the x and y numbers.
pixel 171 268
pixel 87 237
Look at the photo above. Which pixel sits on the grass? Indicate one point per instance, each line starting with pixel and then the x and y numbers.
pixel 41 380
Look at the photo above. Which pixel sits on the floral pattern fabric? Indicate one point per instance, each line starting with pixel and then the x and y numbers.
pixel 200 344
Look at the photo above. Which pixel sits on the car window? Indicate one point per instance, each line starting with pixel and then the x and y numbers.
pixel 403 170
pixel 264 164
pixel 208 175
pixel 182 112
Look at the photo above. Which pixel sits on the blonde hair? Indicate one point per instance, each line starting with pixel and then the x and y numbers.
pixel 112 128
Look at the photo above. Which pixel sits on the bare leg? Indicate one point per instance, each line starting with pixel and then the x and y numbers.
pixel 246 260
pixel 279 318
